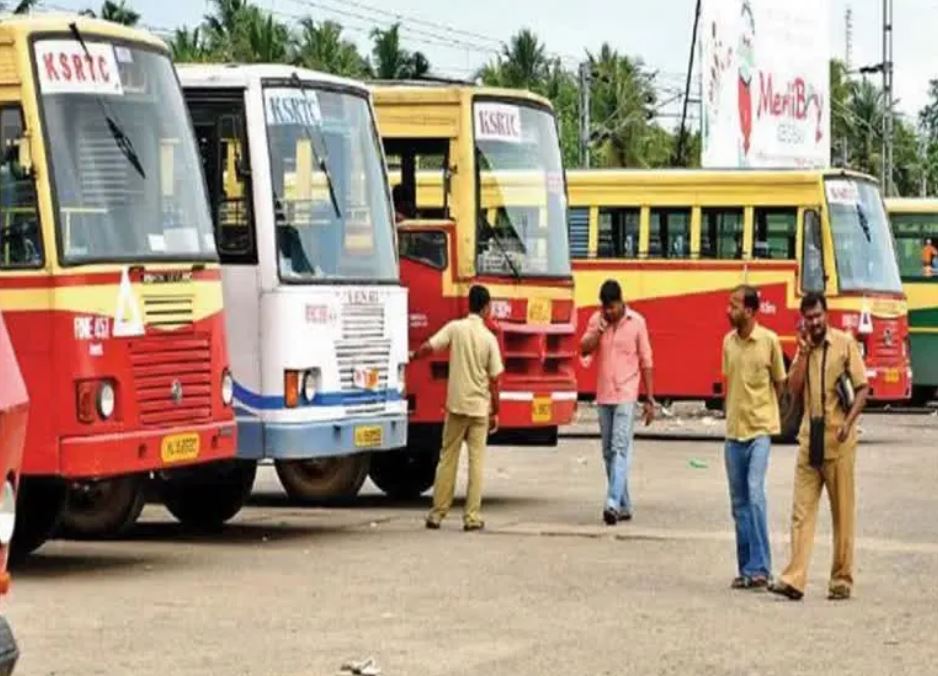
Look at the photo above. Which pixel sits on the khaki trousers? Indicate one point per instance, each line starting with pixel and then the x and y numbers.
pixel 457 429
pixel 837 475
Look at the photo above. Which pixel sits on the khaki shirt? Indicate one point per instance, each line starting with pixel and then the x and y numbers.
pixel 474 360
pixel 843 356
pixel 752 366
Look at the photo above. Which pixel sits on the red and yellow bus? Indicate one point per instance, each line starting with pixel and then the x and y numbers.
pixel 680 240
pixel 109 282
pixel 490 208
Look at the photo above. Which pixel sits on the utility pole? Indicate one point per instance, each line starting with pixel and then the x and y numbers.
pixel 682 135
pixel 585 83
pixel 887 172
pixel 848 31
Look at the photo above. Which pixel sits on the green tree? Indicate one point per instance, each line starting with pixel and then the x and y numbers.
pixel 390 61
pixel 116 12
pixel 21 7
pixel 522 64
pixel 188 46
pixel 842 90
pixel 320 46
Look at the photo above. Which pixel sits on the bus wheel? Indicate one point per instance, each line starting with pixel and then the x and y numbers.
pixel 39 506
pixel 102 509
pixel 404 474
pixel 790 412
pixel 206 496
pixel 922 394
pixel 323 479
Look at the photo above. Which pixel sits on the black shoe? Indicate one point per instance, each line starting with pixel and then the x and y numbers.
pixel 610 516
pixel 786 590
pixel 432 525
pixel 474 526
pixel 625 516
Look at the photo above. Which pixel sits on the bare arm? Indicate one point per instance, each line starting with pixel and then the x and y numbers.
pixel 594 331
pixel 421 351
pixel 858 405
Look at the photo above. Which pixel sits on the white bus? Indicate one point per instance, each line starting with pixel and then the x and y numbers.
pixel 304 226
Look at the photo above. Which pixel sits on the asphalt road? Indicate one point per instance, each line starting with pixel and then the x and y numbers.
pixel 547 589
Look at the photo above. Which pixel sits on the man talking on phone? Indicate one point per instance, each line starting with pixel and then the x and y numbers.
pixel 829 377
pixel 618 336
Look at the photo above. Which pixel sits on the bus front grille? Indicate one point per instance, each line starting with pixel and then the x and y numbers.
pixel 172 379
pixel 169 312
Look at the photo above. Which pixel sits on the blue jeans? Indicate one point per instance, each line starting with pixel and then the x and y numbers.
pixel 746 463
pixel 616 423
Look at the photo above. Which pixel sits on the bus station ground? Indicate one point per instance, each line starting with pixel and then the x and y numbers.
pixel 547 589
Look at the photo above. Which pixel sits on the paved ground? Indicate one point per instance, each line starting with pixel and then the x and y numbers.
pixel 547 590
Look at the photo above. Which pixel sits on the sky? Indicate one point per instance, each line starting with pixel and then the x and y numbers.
pixel 458 36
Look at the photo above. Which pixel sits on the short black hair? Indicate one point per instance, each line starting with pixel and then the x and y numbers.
pixel 610 292
pixel 478 298
pixel 812 299
pixel 750 296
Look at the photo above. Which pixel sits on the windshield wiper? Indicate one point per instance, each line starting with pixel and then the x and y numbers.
pixel 501 246
pixel 124 144
pixel 864 223
pixel 322 157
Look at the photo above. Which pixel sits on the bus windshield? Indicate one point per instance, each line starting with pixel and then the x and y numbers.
pixel 331 205
pixel 127 180
pixel 522 195
pixel 917 240
pixel 863 246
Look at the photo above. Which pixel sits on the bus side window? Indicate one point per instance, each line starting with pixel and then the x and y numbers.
pixel 669 235
pixel 578 232
pixel 222 139
pixel 721 233
pixel 20 235
pixel 775 233
pixel 812 259
pixel 419 172
pixel 618 232
pixel 427 247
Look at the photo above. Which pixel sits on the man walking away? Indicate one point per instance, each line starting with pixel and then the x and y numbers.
pixel 829 376
pixel 755 379
pixel 619 337
pixel 471 405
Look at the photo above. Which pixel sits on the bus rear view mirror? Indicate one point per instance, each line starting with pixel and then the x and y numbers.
pixel 23 161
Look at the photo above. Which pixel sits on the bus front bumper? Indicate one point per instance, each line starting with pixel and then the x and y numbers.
pixel 140 451
pixel 520 409
pixel 888 384
pixel 320 439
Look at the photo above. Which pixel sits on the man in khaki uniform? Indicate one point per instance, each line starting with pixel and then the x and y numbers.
pixel 475 364
pixel 824 356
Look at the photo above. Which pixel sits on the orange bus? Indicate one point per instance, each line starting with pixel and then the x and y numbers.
pixel 489 207
pixel 680 240
pixel 109 282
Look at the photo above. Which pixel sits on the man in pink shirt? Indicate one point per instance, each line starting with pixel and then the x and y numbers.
pixel 619 338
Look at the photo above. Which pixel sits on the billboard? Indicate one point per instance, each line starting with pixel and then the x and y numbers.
pixel 765 83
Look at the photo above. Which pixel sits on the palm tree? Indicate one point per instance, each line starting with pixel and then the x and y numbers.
pixel 188 46
pixel 866 115
pixel 21 7
pixel 266 41
pixel 119 12
pixel 321 47
pixel 225 27
pixel 390 61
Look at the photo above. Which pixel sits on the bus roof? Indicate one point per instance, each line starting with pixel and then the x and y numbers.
pixel 613 177
pixel 911 205
pixel 435 91
pixel 244 75
pixel 25 25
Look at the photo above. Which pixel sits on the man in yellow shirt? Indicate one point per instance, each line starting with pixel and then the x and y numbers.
pixel 472 399
pixel 827 447
pixel 755 378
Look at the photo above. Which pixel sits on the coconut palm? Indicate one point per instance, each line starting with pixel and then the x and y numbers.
pixel 320 46
pixel 21 7
pixel 392 62
pixel 188 46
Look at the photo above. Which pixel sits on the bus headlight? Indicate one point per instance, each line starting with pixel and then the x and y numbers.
pixel 310 385
pixel 227 388
pixel 7 513
pixel 402 377
pixel 106 400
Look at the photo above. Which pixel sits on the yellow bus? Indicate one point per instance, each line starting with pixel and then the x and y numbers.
pixel 915 228
pixel 479 189
pixel 680 240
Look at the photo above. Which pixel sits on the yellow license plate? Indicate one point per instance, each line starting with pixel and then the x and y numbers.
pixel 892 375
pixel 542 410
pixel 539 311
pixel 179 448
pixel 368 436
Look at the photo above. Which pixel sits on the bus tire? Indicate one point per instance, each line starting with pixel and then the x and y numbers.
pixel 40 502
pixel 206 496
pixel 923 394
pixel 9 652
pixel 405 474
pixel 322 480
pixel 791 410
pixel 102 509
